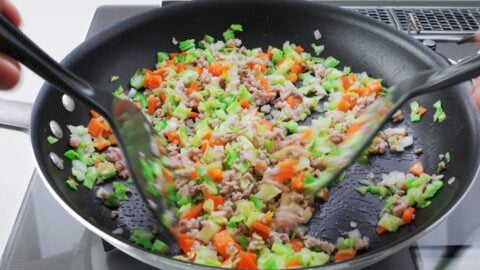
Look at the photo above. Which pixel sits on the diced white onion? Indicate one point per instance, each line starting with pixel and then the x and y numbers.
pixel 317 35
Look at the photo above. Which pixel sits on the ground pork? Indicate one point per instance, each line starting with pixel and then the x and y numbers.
pixel 361 243
pixel 286 219
pixel 74 141
pixel 114 156
pixel 278 237
pixel 397 116
pixel 312 242
pixel 189 224
pixel 378 146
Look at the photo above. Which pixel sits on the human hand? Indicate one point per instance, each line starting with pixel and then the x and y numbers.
pixel 9 68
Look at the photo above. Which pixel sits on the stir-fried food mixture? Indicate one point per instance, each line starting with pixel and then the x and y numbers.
pixel 246 162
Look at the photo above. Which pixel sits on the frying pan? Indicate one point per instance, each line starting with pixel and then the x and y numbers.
pixel 359 42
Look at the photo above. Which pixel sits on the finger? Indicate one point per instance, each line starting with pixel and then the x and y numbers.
pixel 476 92
pixel 10 12
pixel 10 72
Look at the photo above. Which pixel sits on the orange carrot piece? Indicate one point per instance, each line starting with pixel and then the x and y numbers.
pixel 95 127
pixel 417 168
pixel 293 264
pixel 292 77
pixel 199 70
pixel 217 68
pixel 307 135
pixel 345 254
pixel 221 241
pixel 293 101
pixel 152 81
pixel 193 213
pixel 265 85
pixel 407 215
pixel 343 105
pixel 260 166
pixel 286 170
pixel 97 161
pixel 172 137
pixel 185 242
pixel 296 245
pixel 94 114
pixel 153 103
pixel 297 182
pixel 299 49
pixel 180 67
pixel 100 143
pixel 422 110
pixel 193 115
pixel 217 200
pixel 193 87
pixel 296 68
pixel 380 230
pixel 374 86
pixel 215 174
pixel 245 104
pixel 266 123
pixel 262 229
pixel 113 139
pixel 247 260
pixel 168 175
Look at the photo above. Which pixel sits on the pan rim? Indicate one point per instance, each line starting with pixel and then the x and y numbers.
pixel 157 260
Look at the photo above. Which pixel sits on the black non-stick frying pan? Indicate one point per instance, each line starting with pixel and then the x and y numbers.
pixel 359 42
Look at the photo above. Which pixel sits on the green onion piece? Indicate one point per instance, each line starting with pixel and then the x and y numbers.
pixel 243 241
pixel 119 91
pixel 259 205
pixel 291 126
pixel 90 177
pixel 439 115
pixel 111 200
pixel 52 140
pixel 72 184
pixel 228 35
pixel 71 154
pixel 159 247
pixel 268 145
pixel 232 224
pixel 121 190
pixel 141 98
pixel 180 59
pixel 142 237
pixel 137 79
pixel 114 78
pixel 317 49
pixel 243 167
pixel 414 115
pixel 276 55
pixel 209 56
pixel 447 157
pixel 236 27
pixel 209 39
pixel 106 170
pixel 181 112
pixel 186 44
pixel 161 56
pixel 331 62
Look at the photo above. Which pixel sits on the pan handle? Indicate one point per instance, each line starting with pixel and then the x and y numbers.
pixel 15 115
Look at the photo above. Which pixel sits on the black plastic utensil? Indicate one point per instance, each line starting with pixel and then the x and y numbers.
pixel 140 144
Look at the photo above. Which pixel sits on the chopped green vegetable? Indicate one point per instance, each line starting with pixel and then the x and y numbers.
pixel 137 79
pixel 121 190
pixel 52 140
pixel 209 39
pixel 414 114
pixel 331 62
pixel 114 78
pixel 72 184
pixel 142 237
pixel 317 49
pixel 236 27
pixel 447 157
pixel 111 200
pixel 159 247
pixel 161 56
pixel 440 114
pixel 186 45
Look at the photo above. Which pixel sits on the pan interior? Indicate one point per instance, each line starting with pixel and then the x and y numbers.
pixel 356 41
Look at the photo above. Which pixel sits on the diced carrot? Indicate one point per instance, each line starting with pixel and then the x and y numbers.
pixel 354 128
pixel 199 70
pixel 374 86
pixel 307 135
pixel 299 49
pixel 407 215
pixel 163 97
pixel 280 61
pixel 221 241
pixel 297 182
pixel 293 101
pixel 258 67
pixel 217 68
pixel 346 83
pixel 244 104
pixel 100 143
pixel 267 219
pixel 94 114
pixel 180 67
pixel 343 105
pixel 95 127
pixel 293 264
pixel 345 254
pixel 422 110
pixel 247 260
pixel 97 161
pixel 324 194
pixel 113 139
pixel 175 54
pixel 172 137
pixel 296 245
pixel 262 229
pixel 184 242
pixel 152 81
pixel 167 175
pixel 380 230
pixel 204 146
pixel 296 68
pixel 265 85
pixel 217 200
pixel 193 213
pixel 106 130
pixel 217 142
pixel 215 174
pixel 152 104
pixel 286 170
pixel 292 77
pixel 361 91
pixel 260 166
pixel 417 168
pixel 266 123
pixel 193 115
pixel 161 71
pixel 193 87
pixel 194 174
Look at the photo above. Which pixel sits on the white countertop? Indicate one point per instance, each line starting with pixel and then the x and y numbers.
pixel 57 26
